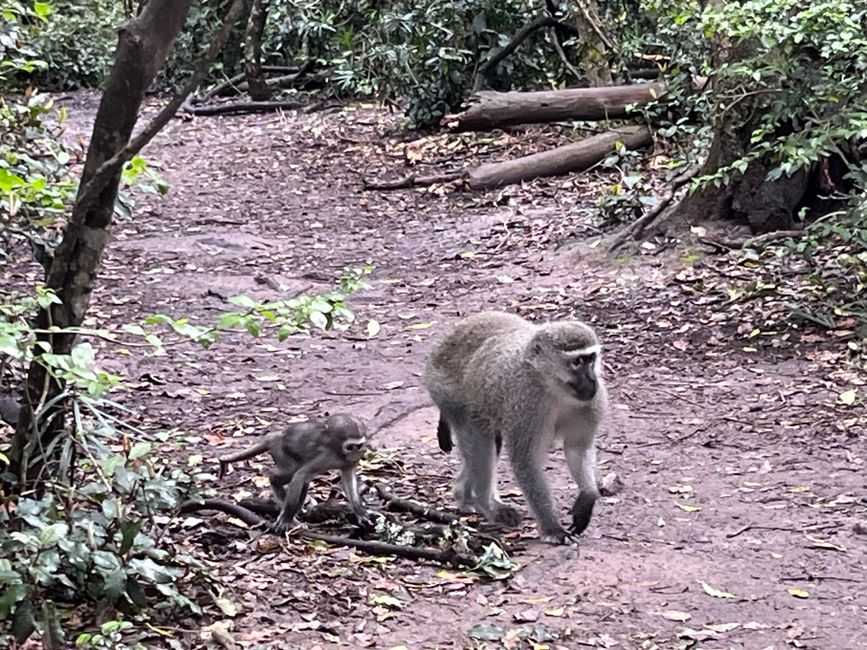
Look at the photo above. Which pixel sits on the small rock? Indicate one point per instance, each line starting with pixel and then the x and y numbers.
pixel 526 616
pixel 610 485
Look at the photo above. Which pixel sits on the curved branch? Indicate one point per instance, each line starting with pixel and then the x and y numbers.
pixel 222 505
pixel 540 22
pixel 634 230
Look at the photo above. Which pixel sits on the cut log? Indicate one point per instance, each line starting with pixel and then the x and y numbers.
pixel 489 110
pixel 572 157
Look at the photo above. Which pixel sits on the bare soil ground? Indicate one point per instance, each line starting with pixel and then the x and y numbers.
pixel 743 476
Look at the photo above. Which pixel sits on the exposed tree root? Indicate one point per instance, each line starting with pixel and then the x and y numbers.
pixel 749 242
pixel 448 557
pixel 420 510
pixel 634 230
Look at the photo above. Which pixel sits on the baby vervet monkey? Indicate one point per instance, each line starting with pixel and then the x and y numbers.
pixel 305 450
pixel 499 379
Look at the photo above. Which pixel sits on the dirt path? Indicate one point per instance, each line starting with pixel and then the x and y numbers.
pixel 742 476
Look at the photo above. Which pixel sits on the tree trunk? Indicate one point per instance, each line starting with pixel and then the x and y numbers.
pixel 572 157
pixel 749 198
pixel 491 110
pixel 143 45
pixel 594 47
pixel 258 88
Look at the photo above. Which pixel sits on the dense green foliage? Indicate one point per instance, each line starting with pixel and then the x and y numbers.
pixel 423 55
pixel 78 42
pixel 94 535
pixel 807 62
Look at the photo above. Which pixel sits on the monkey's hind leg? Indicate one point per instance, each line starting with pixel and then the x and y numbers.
pixel 478 477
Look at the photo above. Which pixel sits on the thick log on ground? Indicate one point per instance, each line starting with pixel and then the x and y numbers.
pixel 489 109
pixel 572 157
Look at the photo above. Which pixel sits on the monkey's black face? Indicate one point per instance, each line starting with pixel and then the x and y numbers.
pixel 353 449
pixel 582 376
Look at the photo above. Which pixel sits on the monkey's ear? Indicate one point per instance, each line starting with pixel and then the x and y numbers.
pixel 539 342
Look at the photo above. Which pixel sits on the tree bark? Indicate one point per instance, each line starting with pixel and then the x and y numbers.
pixel 572 157
pixel 490 110
pixel 749 197
pixel 143 45
pixel 595 46
pixel 258 88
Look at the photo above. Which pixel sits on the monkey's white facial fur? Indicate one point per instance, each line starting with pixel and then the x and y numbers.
pixel 582 375
pixel 353 449
pixel 568 356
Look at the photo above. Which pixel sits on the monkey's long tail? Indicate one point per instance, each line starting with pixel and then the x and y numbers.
pixel 444 434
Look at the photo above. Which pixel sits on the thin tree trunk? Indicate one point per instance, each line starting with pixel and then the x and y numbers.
pixel 595 46
pixel 143 45
pixel 258 88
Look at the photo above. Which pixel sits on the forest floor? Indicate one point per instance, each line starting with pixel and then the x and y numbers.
pixel 740 522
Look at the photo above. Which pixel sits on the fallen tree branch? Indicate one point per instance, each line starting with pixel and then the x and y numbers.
pixel 442 556
pixel 445 556
pixel 413 181
pixel 236 83
pixel 488 110
pixel 576 156
pixel 396 504
pixel 241 107
pixel 634 230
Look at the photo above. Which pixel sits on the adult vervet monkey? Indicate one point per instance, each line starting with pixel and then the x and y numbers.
pixel 499 379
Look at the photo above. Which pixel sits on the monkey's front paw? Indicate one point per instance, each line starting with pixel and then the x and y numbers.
pixel 507 516
pixel 367 518
pixel 558 536
pixel 282 525
pixel 582 511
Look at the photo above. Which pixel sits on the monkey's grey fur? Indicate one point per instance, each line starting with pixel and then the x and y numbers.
pixel 498 379
pixel 303 451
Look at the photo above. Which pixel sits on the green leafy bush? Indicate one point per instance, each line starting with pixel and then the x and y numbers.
pixel 90 536
pixel 94 535
pixel 423 54
pixel 420 55
pixel 807 63
pixel 78 43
